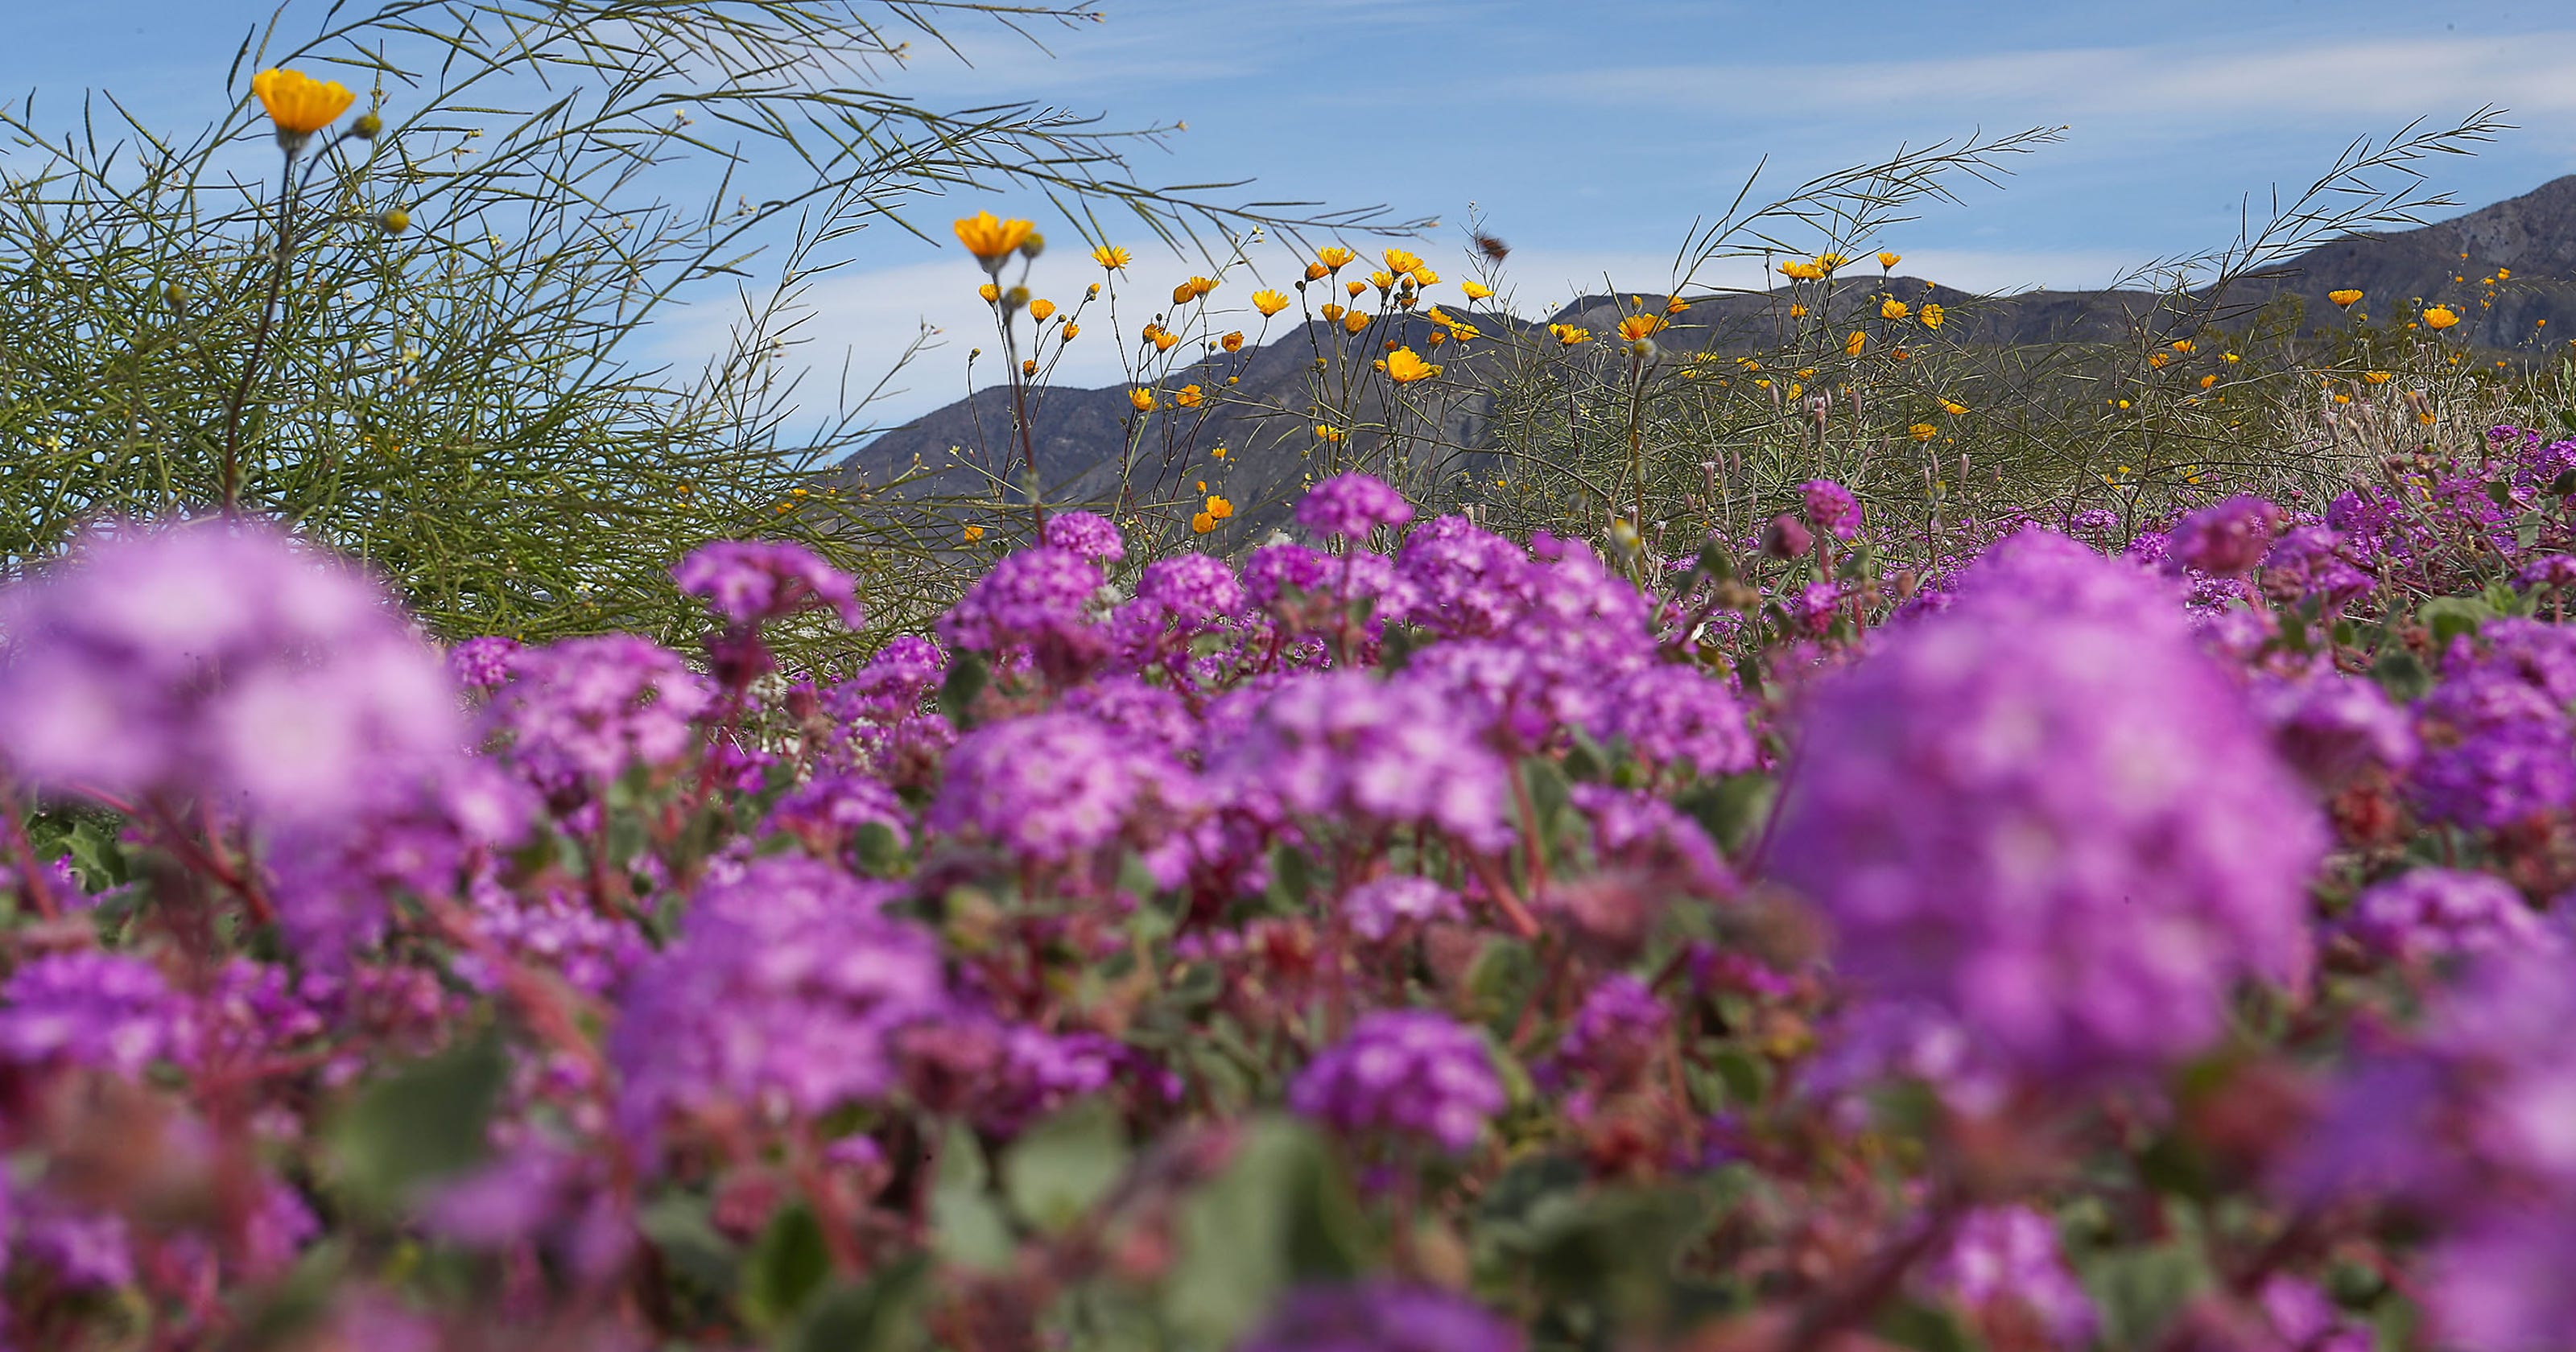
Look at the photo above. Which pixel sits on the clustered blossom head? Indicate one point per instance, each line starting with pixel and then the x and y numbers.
pixel 97 1010
pixel 1031 597
pixel 1984 835
pixel 1191 588
pixel 2004 1267
pixel 1673 714
pixel 2228 538
pixel 1049 787
pixel 1381 1316
pixel 219 660
pixel 1377 910
pixel 1353 505
pixel 750 582
pixel 1617 1027
pixel 1831 508
pixel 2431 912
pixel 781 995
pixel 1403 1075
pixel 2333 728
pixel 483 664
pixel 1086 535
pixel 578 713
pixel 1348 745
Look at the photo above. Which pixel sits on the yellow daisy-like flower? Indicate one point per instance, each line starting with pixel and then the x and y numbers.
pixel 1028 366
pixel 1202 523
pixel 1828 262
pixel 1190 396
pixel 1797 312
pixel 1923 431
pixel 1110 256
pixel 1142 398
pixel 1332 313
pixel 299 104
pixel 1334 257
pixel 1400 260
pixel 1674 305
pixel 1635 327
pixel 2376 377
pixel 1327 432
pixel 1932 315
pixel 1069 331
pixel 1316 272
pixel 1853 344
pixel 1803 272
pixel 974 533
pixel 1218 507
pixel 1383 281
pixel 1269 302
pixel 2440 317
pixel 1184 294
pixel 2207 381
pixel 1041 310
pixel 1567 335
pixel 2157 359
pixel 1404 366
pixel 1888 260
pixel 1423 277
pixel 1892 308
pixel 2344 299
pixel 2183 346
pixel 1476 290
pixel 1232 342
pixel 992 239
pixel 1954 408
pixel 1354 321
pixel 990 292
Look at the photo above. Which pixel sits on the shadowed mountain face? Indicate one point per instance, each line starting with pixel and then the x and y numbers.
pixel 1265 420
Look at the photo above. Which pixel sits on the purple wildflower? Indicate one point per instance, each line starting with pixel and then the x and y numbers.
pixel 2439 911
pixel 223 660
pixel 1352 504
pixel 1616 1029
pixel 1671 714
pixel 579 712
pixel 2009 1256
pixel 1031 597
pixel 2079 889
pixel 780 995
pixel 483 664
pixel 1831 508
pixel 1049 787
pixel 2332 728
pixel 749 582
pixel 1345 744
pixel 1191 588
pixel 1405 1073
pixel 2227 538
pixel 1086 535
pixel 1466 581
pixel 1275 570
pixel 97 1010
pixel 1380 1316
pixel 1377 910
pixel 2554 572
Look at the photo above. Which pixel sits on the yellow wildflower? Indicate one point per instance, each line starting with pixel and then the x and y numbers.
pixel 1068 331
pixel 1853 344
pixel 2440 317
pixel 1332 313
pixel 1828 262
pixel 1316 272
pixel 1202 523
pixel 1892 308
pixel 1028 366
pixel 1334 256
pixel 992 239
pixel 1803 272
pixel 298 104
pixel 1476 290
pixel 1189 397
pixel 1797 312
pixel 1354 289
pixel 1923 431
pixel 2207 381
pixel 1383 281
pixel 2376 377
pixel 1142 398
pixel 1635 327
pixel 2183 346
pixel 1423 277
pixel 1232 342
pixel 1404 368
pixel 989 292
pixel 1041 310
pixel 1269 302
pixel 1888 260
pixel 1567 335
pixel 1219 508
pixel 1326 432
pixel 1954 408
pixel 974 533
pixel 1354 321
pixel 1110 256
pixel 1931 315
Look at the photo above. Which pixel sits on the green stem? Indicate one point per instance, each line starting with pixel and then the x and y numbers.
pixel 259 338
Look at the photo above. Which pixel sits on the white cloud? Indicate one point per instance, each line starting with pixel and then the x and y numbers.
pixel 2181 84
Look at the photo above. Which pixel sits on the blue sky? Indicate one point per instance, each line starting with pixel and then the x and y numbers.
pixel 1590 134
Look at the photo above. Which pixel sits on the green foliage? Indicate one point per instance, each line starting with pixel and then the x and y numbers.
pixel 418 1124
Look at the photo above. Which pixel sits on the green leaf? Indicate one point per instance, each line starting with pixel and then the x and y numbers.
pixel 2451 616
pixel 681 1227
pixel 1064 1166
pixel 2401 675
pixel 1280 1213
pixel 967 1226
pixel 1731 808
pixel 419 1123
pixel 2139 1291
pixel 1291 877
pixel 881 1314
pixel 786 1267
pixel 878 850
pixel 1930 1328
pixel 967 677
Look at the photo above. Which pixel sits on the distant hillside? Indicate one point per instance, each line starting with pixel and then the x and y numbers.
pixel 1265 425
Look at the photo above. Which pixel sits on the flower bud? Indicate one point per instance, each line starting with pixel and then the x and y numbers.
pixel 1786 537
pixel 1015 298
pixel 1034 245
pixel 394 220
pixel 366 128
pixel 1643 349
